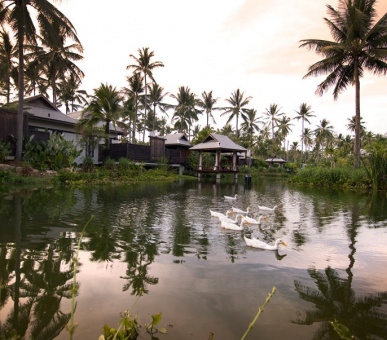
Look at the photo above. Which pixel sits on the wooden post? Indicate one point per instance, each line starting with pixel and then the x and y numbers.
pixel 200 161
pixel 234 161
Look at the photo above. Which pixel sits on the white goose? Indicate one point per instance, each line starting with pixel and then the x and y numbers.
pixel 220 215
pixel 255 243
pixel 242 212
pixel 231 197
pixel 253 220
pixel 233 226
pixel 261 207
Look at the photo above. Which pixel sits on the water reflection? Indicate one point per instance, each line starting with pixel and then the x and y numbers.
pixel 143 235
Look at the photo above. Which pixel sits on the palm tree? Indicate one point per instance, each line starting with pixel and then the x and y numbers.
pixel 156 97
pixel 323 134
pixel 273 113
pixel 185 109
pixel 304 114
pixel 307 139
pixel 145 66
pixel 104 107
pixel 69 95
pixel 207 103
pixel 18 15
pixel 359 45
pixel 134 90
pixel 284 128
pixel 8 69
pixel 351 126
pixel 57 58
pixel 34 79
pixel 250 124
pixel 237 102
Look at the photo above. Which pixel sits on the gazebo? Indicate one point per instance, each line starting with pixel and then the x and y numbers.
pixel 275 160
pixel 218 144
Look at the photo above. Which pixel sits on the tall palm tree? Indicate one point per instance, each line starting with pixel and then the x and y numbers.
pixel 156 97
pixel 34 79
pixel 272 116
pixel 304 113
pixel 236 109
pixel 307 139
pixel 284 128
pixel 19 16
pixel 185 108
pixel 351 126
pixel 207 103
pixel 145 66
pixel 134 90
pixel 69 94
pixel 8 67
pixel 56 57
pixel 323 134
pixel 250 124
pixel 104 107
pixel 359 44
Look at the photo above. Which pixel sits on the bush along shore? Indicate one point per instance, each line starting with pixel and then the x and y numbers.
pixel 125 171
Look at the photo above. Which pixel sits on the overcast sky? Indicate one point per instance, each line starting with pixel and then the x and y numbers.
pixel 223 45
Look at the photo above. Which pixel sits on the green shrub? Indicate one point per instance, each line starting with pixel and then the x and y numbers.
pixel 109 163
pixel 5 150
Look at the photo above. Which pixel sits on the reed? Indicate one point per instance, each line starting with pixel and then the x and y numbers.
pixel 71 327
pixel 260 310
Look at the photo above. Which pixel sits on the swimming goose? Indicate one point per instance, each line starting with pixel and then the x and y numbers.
pixel 231 197
pixel 253 220
pixel 255 243
pixel 261 207
pixel 220 215
pixel 233 226
pixel 242 212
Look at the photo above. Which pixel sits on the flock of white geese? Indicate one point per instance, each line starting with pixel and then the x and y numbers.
pixel 236 219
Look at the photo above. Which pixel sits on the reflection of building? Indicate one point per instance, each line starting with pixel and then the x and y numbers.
pixel 219 145
pixel 275 160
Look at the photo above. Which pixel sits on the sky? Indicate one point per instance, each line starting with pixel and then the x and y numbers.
pixel 222 46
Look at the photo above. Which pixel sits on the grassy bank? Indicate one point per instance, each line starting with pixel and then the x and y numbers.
pixel 335 177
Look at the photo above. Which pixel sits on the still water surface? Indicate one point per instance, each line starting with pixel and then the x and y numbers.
pixel 159 239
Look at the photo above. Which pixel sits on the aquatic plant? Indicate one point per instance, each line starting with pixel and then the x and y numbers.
pixel 260 310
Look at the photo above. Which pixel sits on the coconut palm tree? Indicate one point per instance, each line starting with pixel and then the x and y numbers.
pixel 56 57
pixel 185 109
pixel 34 79
pixel 359 44
pixel 207 103
pixel 323 134
pixel 104 107
pixel 307 139
pixel 156 98
pixel 284 128
pixel 145 66
pixel 272 116
pixel 351 126
pixel 304 113
pixel 250 124
pixel 237 102
pixel 8 67
pixel 134 90
pixel 19 15
pixel 69 94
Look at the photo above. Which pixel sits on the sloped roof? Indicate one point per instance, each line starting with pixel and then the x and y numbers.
pixel 177 139
pixel 40 107
pixel 275 160
pixel 214 142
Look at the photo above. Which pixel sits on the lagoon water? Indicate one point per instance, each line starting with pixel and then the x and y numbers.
pixel 159 240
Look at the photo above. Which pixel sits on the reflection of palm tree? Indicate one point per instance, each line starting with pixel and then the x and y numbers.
pixel 335 299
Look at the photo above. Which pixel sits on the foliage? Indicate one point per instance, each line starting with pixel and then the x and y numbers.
pixel 339 176
pixel 129 328
pixel 5 150
pixel 375 165
pixel 88 164
pixel 55 153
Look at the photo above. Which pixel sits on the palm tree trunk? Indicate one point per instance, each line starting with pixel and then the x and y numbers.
pixel 302 140
pixel 143 137
pixel 20 125
pixel 357 120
